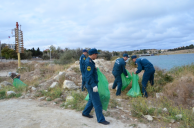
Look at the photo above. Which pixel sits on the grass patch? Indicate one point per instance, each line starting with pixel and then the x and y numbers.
pixel 113 103
pixel 52 93
pixel 78 103
pixel 141 106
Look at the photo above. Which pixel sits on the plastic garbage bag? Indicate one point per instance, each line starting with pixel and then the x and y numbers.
pixel 102 90
pixel 135 90
pixel 125 81
pixel 18 83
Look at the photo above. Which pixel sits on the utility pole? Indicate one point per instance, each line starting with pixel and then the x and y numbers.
pixel 0 50
pixel 19 42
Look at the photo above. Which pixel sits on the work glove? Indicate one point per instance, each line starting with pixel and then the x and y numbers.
pixel 127 77
pixel 95 89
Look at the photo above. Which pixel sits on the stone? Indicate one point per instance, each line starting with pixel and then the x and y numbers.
pixel 76 62
pixel 172 121
pixel 33 89
pixel 159 95
pixel 48 99
pixel 57 100
pixel 179 116
pixel 69 85
pixel 59 76
pixel 119 107
pixel 165 110
pixel 5 83
pixel 42 98
pixel 35 77
pixel 148 117
pixel 10 92
pixel 54 84
pixel 110 85
pixel 63 97
pixel 22 97
pixel 79 84
pixel 69 98
pixel 193 109
pixel 73 78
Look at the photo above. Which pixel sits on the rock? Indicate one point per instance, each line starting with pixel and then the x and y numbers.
pixel 69 84
pixel 119 107
pixel 193 109
pixel 35 77
pixel 29 87
pixel 54 84
pixel 33 89
pixel 165 110
pixel 5 83
pixel 76 62
pixel 123 116
pixel 69 69
pixel 42 98
pixel 179 116
pixel 46 90
pixel 69 98
pixel 57 100
pixel 10 92
pixel 63 97
pixel 110 85
pixel 79 84
pixel 172 121
pixel 148 117
pixel 22 97
pixel 69 106
pixel 159 95
pixel 73 78
pixel 60 76
pixel 48 99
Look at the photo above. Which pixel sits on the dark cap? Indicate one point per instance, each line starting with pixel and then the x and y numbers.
pixel 133 57
pixel 93 51
pixel 85 50
pixel 125 55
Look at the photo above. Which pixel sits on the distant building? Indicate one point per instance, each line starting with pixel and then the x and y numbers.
pixel 11 46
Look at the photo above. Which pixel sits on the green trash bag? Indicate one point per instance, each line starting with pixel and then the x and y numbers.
pixel 135 90
pixel 18 83
pixel 125 81
pixel 102 90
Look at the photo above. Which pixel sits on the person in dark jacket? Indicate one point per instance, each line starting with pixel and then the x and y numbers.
pixel 82 67
pixel 14 75
pixel 118 69
pixel 144 64
pixel 91 78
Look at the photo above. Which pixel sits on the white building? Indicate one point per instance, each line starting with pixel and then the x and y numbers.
pixel 11 46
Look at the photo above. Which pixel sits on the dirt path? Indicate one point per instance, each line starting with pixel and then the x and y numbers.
pixel 20 113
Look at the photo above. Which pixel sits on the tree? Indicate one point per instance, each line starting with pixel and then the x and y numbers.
pixel 8 53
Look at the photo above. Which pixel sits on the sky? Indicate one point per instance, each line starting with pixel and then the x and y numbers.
pixel 113 25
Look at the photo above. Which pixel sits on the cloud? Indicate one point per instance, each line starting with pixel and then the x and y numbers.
pixel 112 25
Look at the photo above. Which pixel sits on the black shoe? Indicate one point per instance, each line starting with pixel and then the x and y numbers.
pixel 105 122
pixel 89 116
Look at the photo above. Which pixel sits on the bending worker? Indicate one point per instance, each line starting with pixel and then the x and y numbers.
pixel 144 64
pixel 14 75
pixel 91 78
pixel 118 69
pixel 82 67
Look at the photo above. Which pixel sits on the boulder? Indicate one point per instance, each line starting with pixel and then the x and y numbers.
pixel 159 95
pixel 59 76
pixel 54 84
pixel 5 83
pixel 165 110
pixel 10 92
pixel 70 84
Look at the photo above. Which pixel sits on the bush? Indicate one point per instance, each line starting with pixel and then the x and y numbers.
pixel 45 57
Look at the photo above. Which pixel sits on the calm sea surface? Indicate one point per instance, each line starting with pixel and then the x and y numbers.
pixel 169 61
